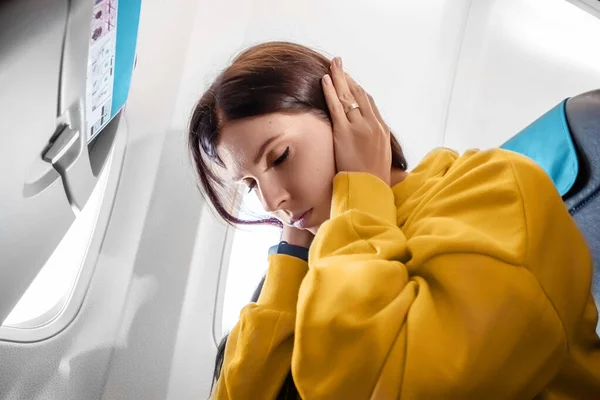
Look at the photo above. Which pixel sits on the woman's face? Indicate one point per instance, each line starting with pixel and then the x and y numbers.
pixel 288 160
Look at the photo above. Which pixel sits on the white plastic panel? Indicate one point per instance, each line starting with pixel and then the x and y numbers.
pixel 519 59
pixel 122 299
pixel 46 175
pixel 591 6
pixel 34 212
pixel 71 363
pixel 56 294
pixel 52 289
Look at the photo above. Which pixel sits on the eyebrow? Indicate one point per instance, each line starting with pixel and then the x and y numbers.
pixel 263 148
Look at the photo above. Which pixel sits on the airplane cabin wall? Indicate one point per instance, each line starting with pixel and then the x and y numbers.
pixel 519 59
pixel 120 322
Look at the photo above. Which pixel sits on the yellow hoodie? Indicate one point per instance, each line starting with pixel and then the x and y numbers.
pixel 468 280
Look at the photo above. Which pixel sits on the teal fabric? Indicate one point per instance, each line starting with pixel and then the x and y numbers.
pixel 128 20
pixel 548 142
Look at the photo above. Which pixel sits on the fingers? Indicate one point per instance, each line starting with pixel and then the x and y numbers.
pixel 343 90
pixel 336 109
pixel 362 99
pixel 373 107
pixel 376 110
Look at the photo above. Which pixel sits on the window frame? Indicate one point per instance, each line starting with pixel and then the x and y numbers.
pixel 217 325
pixel 43 327
pixel 225 259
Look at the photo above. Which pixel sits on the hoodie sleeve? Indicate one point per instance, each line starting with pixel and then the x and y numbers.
pixel 259 349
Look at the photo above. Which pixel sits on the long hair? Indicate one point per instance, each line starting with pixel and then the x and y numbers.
pixel 268 78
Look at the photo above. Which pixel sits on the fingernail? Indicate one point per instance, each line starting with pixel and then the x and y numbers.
pixel 338 61
pixel 327 79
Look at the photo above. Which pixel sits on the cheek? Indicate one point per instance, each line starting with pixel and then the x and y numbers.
pixel 318 169
pixel 324 159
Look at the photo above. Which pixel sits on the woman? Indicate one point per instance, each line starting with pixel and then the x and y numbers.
pixel 465 278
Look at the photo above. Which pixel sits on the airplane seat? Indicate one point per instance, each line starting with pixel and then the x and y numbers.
pixel 566 143
pixel 583 200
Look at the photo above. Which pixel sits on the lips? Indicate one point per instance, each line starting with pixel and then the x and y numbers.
pixel 301 220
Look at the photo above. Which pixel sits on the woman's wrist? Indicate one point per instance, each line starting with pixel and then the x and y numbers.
pixel 290 249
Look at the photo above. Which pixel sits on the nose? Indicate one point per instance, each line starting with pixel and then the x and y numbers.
pixel 274 196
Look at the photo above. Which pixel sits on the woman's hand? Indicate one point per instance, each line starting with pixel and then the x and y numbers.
pixel 361 139
pixel 295 236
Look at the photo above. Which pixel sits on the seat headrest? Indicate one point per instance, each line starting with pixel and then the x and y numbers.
pixel 583 117
pixel 548 142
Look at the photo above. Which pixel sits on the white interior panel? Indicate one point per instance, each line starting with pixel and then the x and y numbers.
pixel 519 59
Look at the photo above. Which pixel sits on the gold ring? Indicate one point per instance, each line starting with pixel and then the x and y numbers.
pixel 351 107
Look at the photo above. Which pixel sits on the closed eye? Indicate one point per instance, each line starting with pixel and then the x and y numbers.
pixel 276 163
pixel 282 157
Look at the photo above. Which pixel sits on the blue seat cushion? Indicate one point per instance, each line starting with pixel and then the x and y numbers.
pixel 548 142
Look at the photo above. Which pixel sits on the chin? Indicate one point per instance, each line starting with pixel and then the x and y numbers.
pixel 313 230
pixel 317 224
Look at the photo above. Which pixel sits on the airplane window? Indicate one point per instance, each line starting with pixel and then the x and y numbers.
pixel 50 291
pixel 247 262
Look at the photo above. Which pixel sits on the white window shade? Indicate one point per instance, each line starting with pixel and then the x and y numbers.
pixel 247 261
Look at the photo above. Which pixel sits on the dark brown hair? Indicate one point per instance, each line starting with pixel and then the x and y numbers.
pixel 267 78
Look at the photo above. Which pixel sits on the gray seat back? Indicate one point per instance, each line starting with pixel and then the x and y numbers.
pixel 583 200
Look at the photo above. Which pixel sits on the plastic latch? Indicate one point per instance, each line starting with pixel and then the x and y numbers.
pixel 69 156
